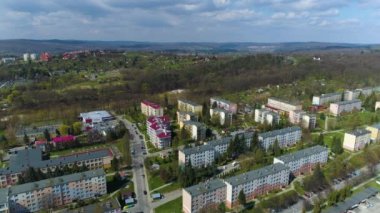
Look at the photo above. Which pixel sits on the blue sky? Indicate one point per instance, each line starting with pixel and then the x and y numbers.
pixel 353 21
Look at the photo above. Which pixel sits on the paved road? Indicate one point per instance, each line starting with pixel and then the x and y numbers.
pixel 168 197
pixel 139 177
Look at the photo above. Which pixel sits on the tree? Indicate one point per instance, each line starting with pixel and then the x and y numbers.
pixel 336 146
pixel 26 139
pixel 242 198
pixel 47 135
pixel 77 128
pixel 221 207
pixel 57 132
pixel 276 148
pixel 321 140
pixel 317 207
pixel 115 164
pixel 64 129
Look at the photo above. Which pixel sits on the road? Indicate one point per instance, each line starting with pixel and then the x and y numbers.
pixel 139 178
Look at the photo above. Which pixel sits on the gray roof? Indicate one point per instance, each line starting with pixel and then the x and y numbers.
pixel 23 159
pixel 221 100
pixel 195 123
pixel 330 94
pixel 221 141
pixel 27 187
pixel 205 187
pixel 105 206
pixel 302 153
pixel 3 195
pixel 347 102
pixel 377 126
pixel 186 113
pixel 285 101
pixel 280 131
pixel 189 102
pixel 355 199
pixel 197 149
pixel 256 174
pixel 359 132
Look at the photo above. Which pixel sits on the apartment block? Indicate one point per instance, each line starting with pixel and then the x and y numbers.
pixel 203 196
pixel 255 183
pixel 266 116
pixel 303 161
pixel 350 95
pixel 377 105
pixel 151 109
pixel 282 105
pixel 22 160
pixel 224 115
pixel 286 137
pixel 306 120
pixel 199 156
pixel 197 130
pixel 189 106
pixel 356 140
pixel 223 104
pixel 185 116
pixel 326 98
pixel 375 132
pixel 54 192
pixel 345 106
pixel 158 128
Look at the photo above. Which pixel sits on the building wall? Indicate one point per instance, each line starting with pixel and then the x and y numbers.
pixel 355 143
pixel 283 106
pixel 337 109
pixel 284 140
pixel 375 133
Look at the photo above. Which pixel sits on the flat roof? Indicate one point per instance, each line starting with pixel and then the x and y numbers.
pixel 359 132
pixel 205 187
pixel 27 187
pixel 353 200
pixel 377 126
pixel 329 94
pixel 221 141
pixel 256 174
pixel 95 114
pixel 302 153
pixel 285 101
pixel 198 149
pixel 189 102
pixel 195 123
pixel 221 100
pixel 347 102
pixel 280 131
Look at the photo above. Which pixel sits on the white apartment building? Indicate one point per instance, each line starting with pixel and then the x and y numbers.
pixel 203 196
pixel 286 137
pixel 151 109
pixel 356 140
pixel 350 95
pixel 199 156
pixel 197 130
pixel 375 132
pixel 266 116
pixel 223 104
pixel 224 115
pixel 158 129
pixel 255 183
pixel 283 105
pixel 305 160
pixel 185 116
pixel 345 106
pixel 326 98
pixel 189 106
pixel 377 105
pixel 306 120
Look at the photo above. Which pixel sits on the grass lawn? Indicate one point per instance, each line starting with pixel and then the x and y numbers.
pixel 79 149
pixel 328 137
pixel 370 184
pixel 155 182
pixel 174 206
pixel 170 188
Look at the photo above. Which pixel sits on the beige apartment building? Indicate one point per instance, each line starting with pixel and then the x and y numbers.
pixel 345 106
pixel 283 105
pixel 356 140
pixel 151 109
pixel 189 106
pixel 375 132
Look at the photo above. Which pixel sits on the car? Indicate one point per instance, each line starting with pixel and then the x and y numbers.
pixel 145 192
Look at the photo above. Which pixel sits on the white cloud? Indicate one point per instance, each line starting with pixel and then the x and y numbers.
pixel 230 15
pixel 220 3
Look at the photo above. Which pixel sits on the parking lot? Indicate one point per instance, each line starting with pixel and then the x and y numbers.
pixel 373 205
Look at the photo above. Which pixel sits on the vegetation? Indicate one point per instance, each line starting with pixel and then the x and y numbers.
pixel 174 206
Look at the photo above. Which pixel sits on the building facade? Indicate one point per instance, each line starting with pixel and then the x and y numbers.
pixel 350 95
pixel 197 130
pixel 158 128
pixel 224 115
pixel 223 104
pixel 151 109
pixel 255 183
pixel 286 137
pixel 203 196
pixel 185 116
pixel 327 98
pixel 306 120
pixel 356 140
pixel 303 161
pixel 282 105
pixel 375 132
pixel 344 107
pixel 189 106
pixel 265 116
pixel 199 156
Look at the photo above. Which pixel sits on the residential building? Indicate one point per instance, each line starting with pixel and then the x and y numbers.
pixel 92 119
pixel 306 120
pixel 265 116
pixel 283 106
pixel 196 129
pixel 45 57
pixel 223 104
pixel 185 116
pixel 377 105
pixel 151 109
pixel 305 160
pixel 8 60
pixel 25 56
pixel 33 56
pixel 158 128
pixel 22 160
pixel 108 206
pixel 345 106
pixel 220 145
pixel 375 132
pixel 327 98
pixel 4 205
pixel 356 140
pixel 224 115
pixel 255 183
pixel 350 95
pixel 54 192
pixel 285 137
pixel 199 156
pixel 189 106
pixel 203 196
pixel 36 132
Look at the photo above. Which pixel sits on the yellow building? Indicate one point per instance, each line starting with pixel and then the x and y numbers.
pixel 375 132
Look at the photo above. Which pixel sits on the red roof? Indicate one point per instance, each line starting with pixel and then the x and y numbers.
pixel 164 135
pixel 151 104
pixel 63 139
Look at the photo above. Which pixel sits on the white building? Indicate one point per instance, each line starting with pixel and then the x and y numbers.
pixel 199 156
pixel 266 116
pixel 306 120
pixel 344 107
pixel 224 115
pixel 33 56
pixel 197 130
pixel 151 109
pixel 356 140
pixel 256 183
pixel 185 116
pixel 95 117
pixel 326 98
pixel 26 56
pixel 377 105
pixel 286 137
pixel 350 95
pixel 158 128
pixel 223 104
pixel 8 60
pixel 283 105
pixel 305 160
pixel 189 106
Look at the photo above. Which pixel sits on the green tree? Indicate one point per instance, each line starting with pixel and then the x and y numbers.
pixel 276 148
pixel 64 129
pixel 26 139
pixel 317 207
pixel 115 164
pixel 336 146
pixel 321 139
pixel 77 128
pixel 221 207
pixel 47 135
pixel 242 198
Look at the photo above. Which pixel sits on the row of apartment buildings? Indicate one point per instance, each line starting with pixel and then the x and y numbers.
pixel 22 160
pixel 285 137
pixel 253 183
pixel 54 192
pixel 348 95
pixel 338 108
pixel 204 155
pixel 158 128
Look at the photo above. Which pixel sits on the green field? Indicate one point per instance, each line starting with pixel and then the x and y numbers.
pixel 155 182
pixel 174 206
pixel 169 188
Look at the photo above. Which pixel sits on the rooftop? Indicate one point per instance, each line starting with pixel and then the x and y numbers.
pixel 221 141
pixel 359 132
pixel 188 102
pixel 195 123
pixel 151 104
pixel 96 115
pixel 3 195
pixel 27 187
pixel 377 126
pixel 330 94
pixel 197 149
pixel 280 132
pixel 302 153
pixel 205 187
pixel 347 102
pixel 221 100
pixel 256 174
pixel 284 101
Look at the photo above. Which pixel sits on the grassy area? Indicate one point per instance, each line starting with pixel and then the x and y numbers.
pixel 169 188
pixel 155 181
pixel 174 206
pixel 369 184
pixel 328 137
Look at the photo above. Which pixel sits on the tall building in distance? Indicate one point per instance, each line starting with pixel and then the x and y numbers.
pixel 265 116
pixel 344 107
pixel 327 98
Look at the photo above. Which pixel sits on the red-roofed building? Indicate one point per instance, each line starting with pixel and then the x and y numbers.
pixel 45 56
pixel 159 131
pixel 151 109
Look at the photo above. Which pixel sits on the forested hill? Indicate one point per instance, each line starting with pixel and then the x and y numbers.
pixel 19 46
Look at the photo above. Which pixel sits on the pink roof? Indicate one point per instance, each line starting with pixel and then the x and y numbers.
pixel 164 135
pixel 39 142
pixel 63 139
pixel 151 104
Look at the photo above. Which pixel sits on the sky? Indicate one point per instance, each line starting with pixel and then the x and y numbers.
pixel 351 21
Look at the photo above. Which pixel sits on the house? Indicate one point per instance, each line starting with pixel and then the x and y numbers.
pixel 91 119
pixel 285 137
pixel 197 130
pixel 223 104
pixel 345 106
pixel 357 139
pixel 151 109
